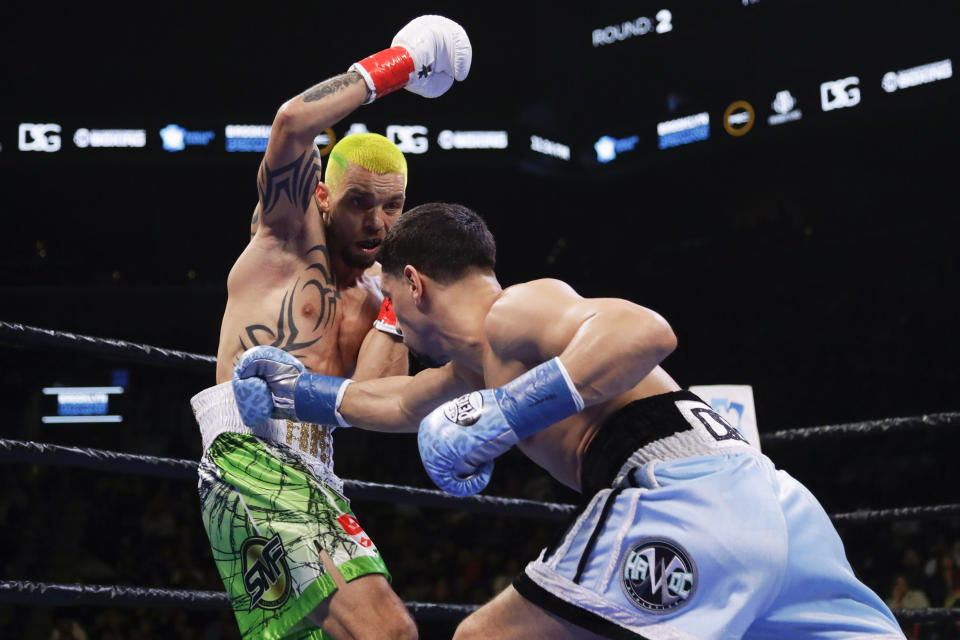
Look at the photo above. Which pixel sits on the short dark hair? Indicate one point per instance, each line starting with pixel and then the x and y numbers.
pixel 442 240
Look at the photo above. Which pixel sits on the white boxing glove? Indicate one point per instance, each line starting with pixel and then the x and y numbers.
pixel 426 56
pixel 441 53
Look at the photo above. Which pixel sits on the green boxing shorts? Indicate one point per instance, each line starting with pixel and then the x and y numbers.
pixel 268 518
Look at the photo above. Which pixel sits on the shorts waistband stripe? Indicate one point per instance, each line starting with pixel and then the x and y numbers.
pixel 595 534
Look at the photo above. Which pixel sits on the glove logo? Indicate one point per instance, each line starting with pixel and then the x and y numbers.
pixel 425 70
pixel 657 575
pixel 465 410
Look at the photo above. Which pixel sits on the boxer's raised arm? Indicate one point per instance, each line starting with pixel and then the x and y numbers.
pixel 426 56
pixel 291 169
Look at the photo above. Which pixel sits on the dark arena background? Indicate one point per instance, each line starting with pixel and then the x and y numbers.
pixel 778 178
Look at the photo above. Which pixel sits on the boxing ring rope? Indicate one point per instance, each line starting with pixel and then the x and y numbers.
pixel 23 334
pixel 25 592
pixel 101 460
pixel 58 595
pixel 37 593
pixel 884 425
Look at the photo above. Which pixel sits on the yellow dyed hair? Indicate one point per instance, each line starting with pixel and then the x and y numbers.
pixel 371 151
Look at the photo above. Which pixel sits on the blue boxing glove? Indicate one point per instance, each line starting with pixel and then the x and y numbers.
pixel 459 439
pixel 270 383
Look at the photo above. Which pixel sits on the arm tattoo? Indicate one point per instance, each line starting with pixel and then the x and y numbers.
pixel 331 86
pixel 286 333
pixel 298 180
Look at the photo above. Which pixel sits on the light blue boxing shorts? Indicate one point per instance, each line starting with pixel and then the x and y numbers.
pixel 717 544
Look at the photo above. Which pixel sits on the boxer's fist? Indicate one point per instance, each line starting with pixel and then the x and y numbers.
pixel 264 381
pixel 426 56
pixel 459 440
pixel 270 383
pixel 441 53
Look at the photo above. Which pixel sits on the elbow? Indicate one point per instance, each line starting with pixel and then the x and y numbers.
pixel 288 121
pixel 654 339
pixel 668 339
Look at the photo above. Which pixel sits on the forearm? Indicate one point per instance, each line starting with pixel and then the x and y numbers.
pixel 381 355
pixel 398 403
pixel 307 115
pixel 613 351
pixel 377 405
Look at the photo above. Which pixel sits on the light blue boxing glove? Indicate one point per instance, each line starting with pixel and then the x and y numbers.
pixel 459 439
pixel 270 383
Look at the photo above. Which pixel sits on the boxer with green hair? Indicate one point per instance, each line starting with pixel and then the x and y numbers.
pixel 371 151
pixel 294 558
pixel 364 171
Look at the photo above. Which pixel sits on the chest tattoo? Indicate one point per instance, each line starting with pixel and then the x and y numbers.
pixel 285 334
pixel 326 286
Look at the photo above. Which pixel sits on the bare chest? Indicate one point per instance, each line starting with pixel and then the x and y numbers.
pixel 309 316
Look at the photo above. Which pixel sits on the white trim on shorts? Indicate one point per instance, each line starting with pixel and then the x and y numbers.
pixel 215 409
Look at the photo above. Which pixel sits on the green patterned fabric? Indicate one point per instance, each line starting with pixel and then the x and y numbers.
pixel 268 518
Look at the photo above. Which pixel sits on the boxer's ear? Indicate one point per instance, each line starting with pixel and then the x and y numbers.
pixel 322 194
pixel 413 280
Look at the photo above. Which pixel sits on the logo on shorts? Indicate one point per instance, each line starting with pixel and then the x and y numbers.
pixel 658 576
pixel 465 410
pixel 352 526
pixel 266 576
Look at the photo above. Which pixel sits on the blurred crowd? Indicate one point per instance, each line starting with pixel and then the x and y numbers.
pixel 926 576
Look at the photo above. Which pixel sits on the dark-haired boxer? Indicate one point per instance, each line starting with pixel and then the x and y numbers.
pixel 686 531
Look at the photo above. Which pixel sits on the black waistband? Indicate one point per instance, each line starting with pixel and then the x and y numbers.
pixel 631 427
